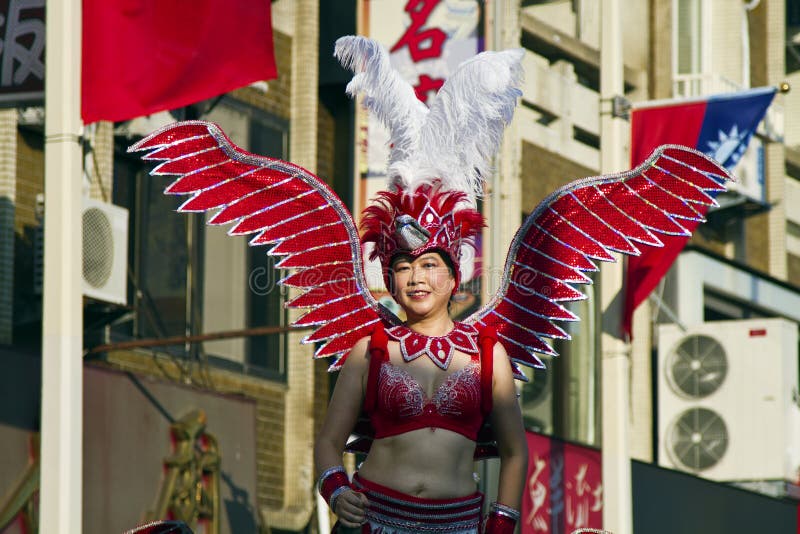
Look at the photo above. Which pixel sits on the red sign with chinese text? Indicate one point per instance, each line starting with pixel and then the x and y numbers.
pixel 422 43
pixel 564 489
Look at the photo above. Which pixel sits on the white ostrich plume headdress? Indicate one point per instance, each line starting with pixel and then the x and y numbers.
pixel 455 140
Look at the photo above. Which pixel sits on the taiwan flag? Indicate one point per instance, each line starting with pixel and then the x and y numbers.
pixel 720 126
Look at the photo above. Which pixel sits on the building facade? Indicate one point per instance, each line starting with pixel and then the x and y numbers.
pixel 741 266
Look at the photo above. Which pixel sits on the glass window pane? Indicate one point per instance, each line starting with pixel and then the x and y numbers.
pixel 264 299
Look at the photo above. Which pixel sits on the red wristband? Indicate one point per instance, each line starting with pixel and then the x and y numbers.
pixel 331 483
pixel 501 520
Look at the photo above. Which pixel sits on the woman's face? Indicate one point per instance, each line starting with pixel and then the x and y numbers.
pixel 422 285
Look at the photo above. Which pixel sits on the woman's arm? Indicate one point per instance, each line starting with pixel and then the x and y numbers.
pixel 506 420
pixel 343 410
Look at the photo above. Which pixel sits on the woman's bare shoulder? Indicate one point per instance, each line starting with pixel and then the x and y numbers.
pixel 499 352
pixel 359 354
pixel 361 345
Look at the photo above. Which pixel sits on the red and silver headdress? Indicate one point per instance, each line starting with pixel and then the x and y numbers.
pixel 415 222
pixel 439 156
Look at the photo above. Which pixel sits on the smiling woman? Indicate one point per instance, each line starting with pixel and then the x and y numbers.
pixel 428 385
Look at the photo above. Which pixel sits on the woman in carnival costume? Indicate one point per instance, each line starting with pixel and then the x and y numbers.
pixel 437 393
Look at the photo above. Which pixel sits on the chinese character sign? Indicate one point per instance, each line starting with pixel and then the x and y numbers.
pixel 22 35
pixel 563 490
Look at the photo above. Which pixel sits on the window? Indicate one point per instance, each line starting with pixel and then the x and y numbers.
pixel 719 307
pixel 240 288
pixel 265 296
pixel 158 292
pixel 189 278
pixel 690 47
pixel 564 399
pixel 687 38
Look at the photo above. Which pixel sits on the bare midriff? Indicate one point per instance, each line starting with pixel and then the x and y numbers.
pixel 431 463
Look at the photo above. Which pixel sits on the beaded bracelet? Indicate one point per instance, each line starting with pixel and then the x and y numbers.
pixel 502 519
pixel 332 482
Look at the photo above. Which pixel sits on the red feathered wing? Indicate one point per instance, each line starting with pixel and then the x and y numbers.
pixel 283 205
pixel 585 221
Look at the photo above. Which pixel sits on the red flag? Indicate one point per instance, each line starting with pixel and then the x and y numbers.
pixel 719 125
pixel 141 57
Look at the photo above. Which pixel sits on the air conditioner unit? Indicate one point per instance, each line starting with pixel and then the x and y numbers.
pixel 536 398
pixel 727 400
pixel 105 251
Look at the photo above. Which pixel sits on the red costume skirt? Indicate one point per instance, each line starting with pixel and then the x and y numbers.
pixel 392 512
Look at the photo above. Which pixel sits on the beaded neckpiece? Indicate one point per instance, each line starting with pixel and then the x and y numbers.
pixel 440 350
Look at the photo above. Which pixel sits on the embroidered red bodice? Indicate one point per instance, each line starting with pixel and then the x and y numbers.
pixel 396 403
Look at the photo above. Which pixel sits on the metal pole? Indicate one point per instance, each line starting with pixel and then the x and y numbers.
pixel 615 370
pixel 186 340
pixel 62 322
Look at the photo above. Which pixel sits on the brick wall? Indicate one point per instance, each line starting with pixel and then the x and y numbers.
pixel 794 269
pixel 768 67
pixel 30 177
pixel 101 167
pixel 543 172
pixel 709 239
pixel 660 72
pixel 276 99
pixel 270 449
pixel 756 242
pixel 325 145
pixel 271 403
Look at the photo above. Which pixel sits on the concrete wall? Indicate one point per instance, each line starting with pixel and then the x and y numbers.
pixel 127 437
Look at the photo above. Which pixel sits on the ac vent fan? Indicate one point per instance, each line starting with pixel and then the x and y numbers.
pixel 98 247
pixel 697 367
pixel 698 439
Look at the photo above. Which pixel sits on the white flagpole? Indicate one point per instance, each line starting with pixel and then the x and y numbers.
pixel 62 322
pixel 615 370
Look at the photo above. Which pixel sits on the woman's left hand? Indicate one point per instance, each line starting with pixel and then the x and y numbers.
pixel 351 508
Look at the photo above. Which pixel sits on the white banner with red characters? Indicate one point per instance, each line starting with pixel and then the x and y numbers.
pixel 427 40
pixel 564 490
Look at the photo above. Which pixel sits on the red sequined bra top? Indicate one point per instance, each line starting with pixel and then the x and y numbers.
pixel 396 403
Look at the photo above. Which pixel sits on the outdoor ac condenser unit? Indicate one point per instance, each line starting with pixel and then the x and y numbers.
pixel 105 251
pixel 727 400
pixel 104 235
